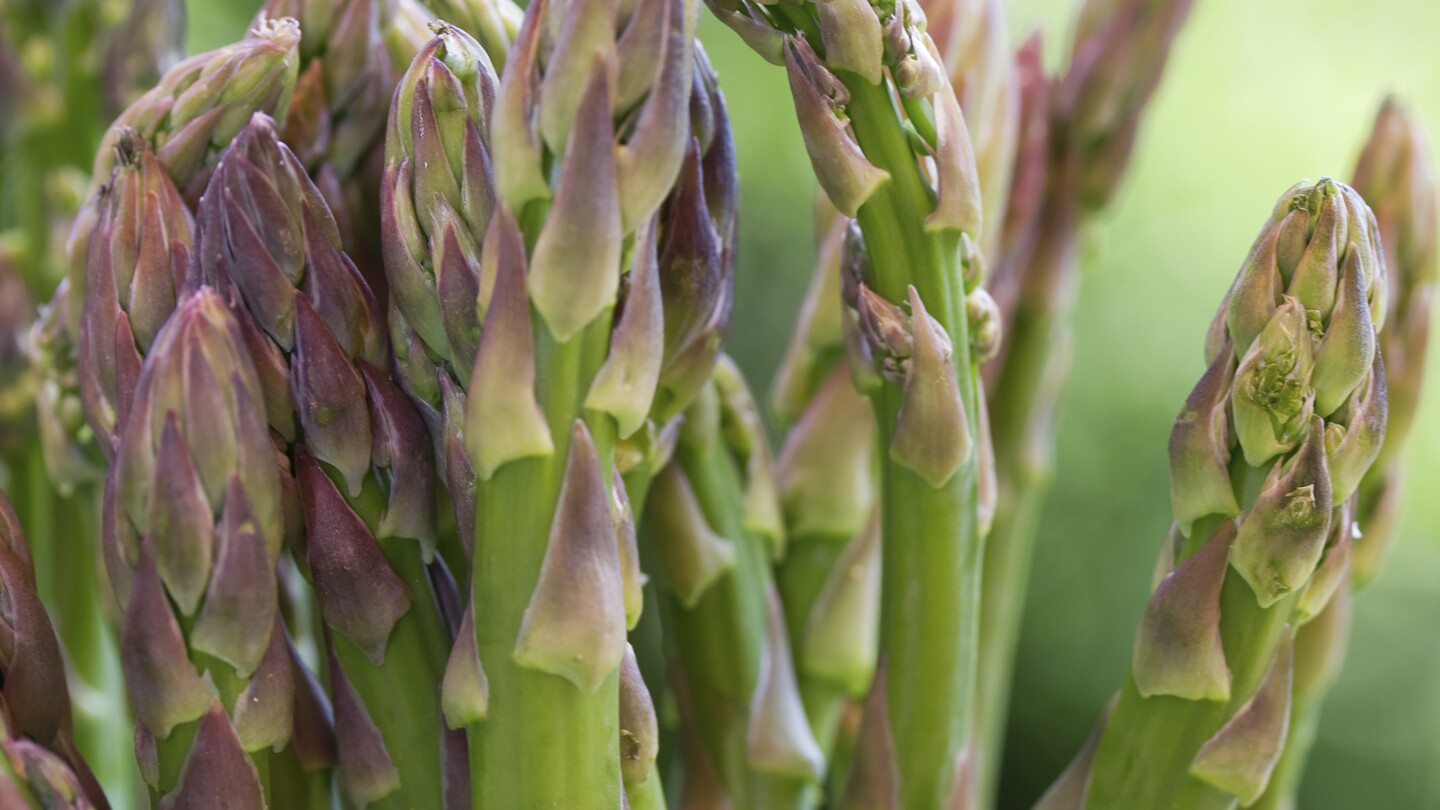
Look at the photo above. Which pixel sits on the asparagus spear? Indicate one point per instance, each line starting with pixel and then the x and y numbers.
pixel 1270 445
pixel 712 525
pixel 920 221
pixel 434 222
pixel 194 524
pixel 829 579
pixel 99 56
pixel 361 460
pixel 1077 134
pixel 1396 175
pixel 551 393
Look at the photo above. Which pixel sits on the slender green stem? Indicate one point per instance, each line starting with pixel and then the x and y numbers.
pixel 931 541
pixel 720 641
pixel 545 742
pixel 1022 405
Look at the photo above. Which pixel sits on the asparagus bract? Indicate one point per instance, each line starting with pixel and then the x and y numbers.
pixel 591 125
pixel 1266 452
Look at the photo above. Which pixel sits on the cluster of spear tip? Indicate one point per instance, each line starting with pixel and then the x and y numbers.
pixel 378 448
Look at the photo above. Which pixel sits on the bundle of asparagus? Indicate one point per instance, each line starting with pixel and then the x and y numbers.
pixel 399 342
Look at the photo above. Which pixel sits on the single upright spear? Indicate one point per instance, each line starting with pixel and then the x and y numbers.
pixel 1264 457
pixel 193 517
pixel 1396 176
pixel 360 460
pixel 590 127
pixel 1076 138
pixel 889 145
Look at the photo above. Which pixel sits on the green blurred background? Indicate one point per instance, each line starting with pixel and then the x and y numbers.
pixel 1259 94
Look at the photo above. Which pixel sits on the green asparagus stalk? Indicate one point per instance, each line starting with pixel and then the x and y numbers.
pixel 712 526
pixel 972 37
pixel 871 134
pixel 193 515
pixel 361 461
pixel 1077 136
pixel 40 765
pixel 589 131
pixel 829 580
pixel 1271 444
pixel 1396 175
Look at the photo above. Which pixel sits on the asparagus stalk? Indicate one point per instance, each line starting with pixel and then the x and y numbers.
pixel 1077 136
pixel 712 525
pixel 194 523
pixel 590 128
pixel 1266 452
pixel 871 136
pixel 1396 175
pixel 829 579
pixel 40 765
pixel 972 38
pixel 361 461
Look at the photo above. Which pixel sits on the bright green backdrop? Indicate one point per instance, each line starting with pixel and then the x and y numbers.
pixel 1261 93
